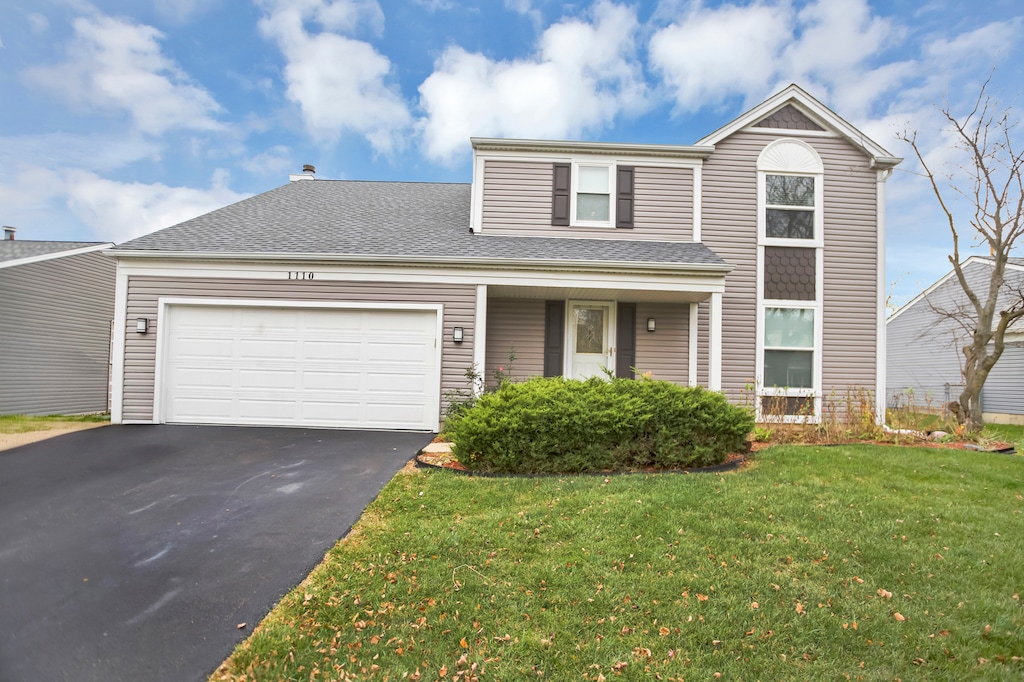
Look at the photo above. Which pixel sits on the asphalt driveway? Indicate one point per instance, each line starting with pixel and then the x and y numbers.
pixel 133 552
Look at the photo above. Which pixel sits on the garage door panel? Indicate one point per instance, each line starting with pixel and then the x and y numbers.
pixel 346 351
pixel 268 379
pixel 204 378
pixel 301 367
pixel 260 349
pixel 200 408
pixel 339 382
pixel 190 346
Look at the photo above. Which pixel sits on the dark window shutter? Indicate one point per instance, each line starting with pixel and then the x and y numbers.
pixel 560 194
pixel 625 341
pixel 554 337
pixel 624 196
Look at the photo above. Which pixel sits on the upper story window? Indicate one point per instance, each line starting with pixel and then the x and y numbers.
pixel 789 206
pixel 592 194
pixel 790 191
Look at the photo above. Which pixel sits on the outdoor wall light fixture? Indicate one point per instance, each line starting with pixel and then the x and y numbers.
pixel 141 325
pixel 650 324
pixel 457 334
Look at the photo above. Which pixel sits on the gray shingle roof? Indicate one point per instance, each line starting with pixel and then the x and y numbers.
pixel 381 219
pixel 16 249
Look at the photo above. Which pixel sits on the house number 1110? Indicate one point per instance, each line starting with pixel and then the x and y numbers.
pixel 300 275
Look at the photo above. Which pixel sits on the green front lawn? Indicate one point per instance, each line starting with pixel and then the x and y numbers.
pixel 20 423
pixel 829 563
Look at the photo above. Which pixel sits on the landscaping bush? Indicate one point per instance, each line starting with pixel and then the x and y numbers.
pixel 557 425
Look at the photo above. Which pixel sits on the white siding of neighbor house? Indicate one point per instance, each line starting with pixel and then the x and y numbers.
pixel 517 201
pixel 1004 389
pixel 729 227
pixel 459 303
pixel 924 351
pixel 55 335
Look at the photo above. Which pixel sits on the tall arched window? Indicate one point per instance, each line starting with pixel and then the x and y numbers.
pixel 790 179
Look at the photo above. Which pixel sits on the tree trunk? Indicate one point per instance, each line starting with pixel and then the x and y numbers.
pixel 970 405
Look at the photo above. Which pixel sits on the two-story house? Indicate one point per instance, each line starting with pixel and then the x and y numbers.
pixel 751 262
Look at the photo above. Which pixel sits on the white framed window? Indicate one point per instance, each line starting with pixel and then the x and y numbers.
pixel 790 195
pixel 592 198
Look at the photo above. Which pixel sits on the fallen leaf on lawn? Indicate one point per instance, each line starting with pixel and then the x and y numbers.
pixel 754 606
pixel 664 632
pixel 618 667
pixel 918 661
pixel 986 631
pixel 463 643
pixel 716 642
pixel 799 607
pixel 885 594
pixel 702 597
pixel 898 616
pixel 858 580
pixel 241 626
pixel 443 671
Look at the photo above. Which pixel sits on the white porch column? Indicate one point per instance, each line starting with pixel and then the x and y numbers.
pixel 480 330
pixel 692 336
pixel 715 344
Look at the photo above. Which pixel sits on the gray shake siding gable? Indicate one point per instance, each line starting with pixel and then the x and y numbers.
pixel 459 303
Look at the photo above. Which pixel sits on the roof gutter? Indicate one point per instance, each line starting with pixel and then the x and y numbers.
pixel 539 264
pixel 493 144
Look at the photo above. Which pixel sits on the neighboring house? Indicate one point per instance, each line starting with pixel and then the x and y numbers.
pixel 56 308
pixel 751 261
pixel 925 347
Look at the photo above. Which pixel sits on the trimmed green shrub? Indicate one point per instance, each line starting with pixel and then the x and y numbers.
pixel 557 425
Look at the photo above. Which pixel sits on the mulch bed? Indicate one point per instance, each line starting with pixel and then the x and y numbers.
pixel 735 461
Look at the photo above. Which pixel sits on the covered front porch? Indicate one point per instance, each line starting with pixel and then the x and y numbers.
pixel 665 330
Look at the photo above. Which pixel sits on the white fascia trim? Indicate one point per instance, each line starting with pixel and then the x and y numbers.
pixel 337 272
pixel 492 144
pixel 476 200
pixel 56 254
pixel 480 332
pixel 163 330
pixel 278 259
pixel 881 367
pixel 117 362
pixel 693 341
pixel 881 158
pixel 567 157
pixel 698 201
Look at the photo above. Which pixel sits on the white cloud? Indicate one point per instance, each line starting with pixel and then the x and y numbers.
pixel 709 55
pixel 277 160
pixel 526 8
pixel 994 40
pixel 582 77
pixel 119 211
pixel 38 23
pixel 339 83
pixel 115 65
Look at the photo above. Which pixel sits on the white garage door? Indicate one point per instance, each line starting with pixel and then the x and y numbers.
pixel 358 368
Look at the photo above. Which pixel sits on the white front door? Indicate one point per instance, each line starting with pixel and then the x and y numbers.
pixel 591 329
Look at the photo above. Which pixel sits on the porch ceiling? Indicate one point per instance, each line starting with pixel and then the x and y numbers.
pixel 596 294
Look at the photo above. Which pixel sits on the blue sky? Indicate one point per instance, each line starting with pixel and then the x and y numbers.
pixel 121 117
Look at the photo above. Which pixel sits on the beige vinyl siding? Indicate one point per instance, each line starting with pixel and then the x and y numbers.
pixel 517 201
pixel 664 352
pixel 850 326
pixel 729 227
pixel 55 334
pixel 515 323
pixel 140 349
